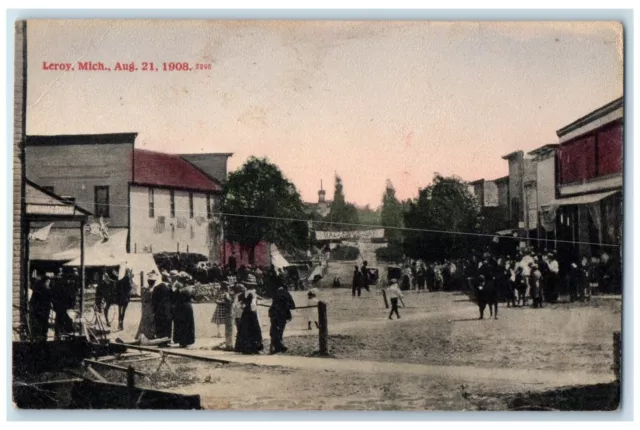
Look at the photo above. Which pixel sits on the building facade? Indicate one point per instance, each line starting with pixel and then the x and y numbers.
pixel 163 202
pixel 516 189
pixel 588 207
pixel 173 206
pixel 545 163
pixel 492 198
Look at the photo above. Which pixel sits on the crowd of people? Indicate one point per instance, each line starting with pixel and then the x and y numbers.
pixel 268 278
pixel 167 312
pixel 57 293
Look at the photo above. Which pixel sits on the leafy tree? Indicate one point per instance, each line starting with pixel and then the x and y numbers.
pixel 391 215
pixel 260 204
pixel 446 208
pixel 342 215
pixel 368 216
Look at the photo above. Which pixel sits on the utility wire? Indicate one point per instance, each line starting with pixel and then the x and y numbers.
pixel 368 226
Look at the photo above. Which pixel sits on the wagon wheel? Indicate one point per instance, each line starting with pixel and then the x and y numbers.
pixel 108 320
pixel 90 316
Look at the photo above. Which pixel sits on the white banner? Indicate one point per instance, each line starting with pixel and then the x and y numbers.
pixel 355 234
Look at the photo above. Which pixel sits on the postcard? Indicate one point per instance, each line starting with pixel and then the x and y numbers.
pixel 318 215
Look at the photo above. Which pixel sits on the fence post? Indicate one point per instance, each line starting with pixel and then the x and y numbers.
pixel 141 280
pixel 384 297
pixel 131 387
pixel 228 332
pixel 617 355
pixel 323 329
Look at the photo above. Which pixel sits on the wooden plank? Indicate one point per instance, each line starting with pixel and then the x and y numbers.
pixel 113 366
pixel 138 360
pixel 36 384
pixel 96 374
pixel 177 354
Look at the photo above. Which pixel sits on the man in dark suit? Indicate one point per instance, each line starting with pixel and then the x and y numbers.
pixel 280 315
pixel 365 275
pixel 233 263
pixel 161 303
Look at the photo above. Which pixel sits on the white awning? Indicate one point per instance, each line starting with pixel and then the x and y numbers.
pixel 585 199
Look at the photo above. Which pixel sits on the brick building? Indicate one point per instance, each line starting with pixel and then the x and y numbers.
pixel 588 204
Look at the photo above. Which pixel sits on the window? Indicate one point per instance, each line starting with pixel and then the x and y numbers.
pixel 172 202
pixel 49 189
pixel 190 205
pixel 101 199
pixel 209 207
pixel 152 209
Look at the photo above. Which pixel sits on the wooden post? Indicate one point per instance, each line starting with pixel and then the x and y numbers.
pixel 135 248
pixel 228 333
pixel 187 248
pixel 83 278
pixel 141 281
pixel 178 244
pixel 384 297
pixel 323 329
pixel 131 387
pixel 617 355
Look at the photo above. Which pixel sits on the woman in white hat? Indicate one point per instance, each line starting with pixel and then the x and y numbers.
pixel 147 327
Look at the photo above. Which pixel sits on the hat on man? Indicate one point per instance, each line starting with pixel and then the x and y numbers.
pixel 251 280
pixel 174 273
pixel 393 280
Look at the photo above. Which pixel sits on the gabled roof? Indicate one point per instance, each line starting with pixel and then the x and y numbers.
pixel 45 204
pixel 171 171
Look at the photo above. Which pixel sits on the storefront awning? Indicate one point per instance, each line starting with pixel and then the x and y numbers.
pixel 585 199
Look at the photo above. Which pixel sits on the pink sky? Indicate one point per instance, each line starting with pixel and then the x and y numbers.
pixel 369 100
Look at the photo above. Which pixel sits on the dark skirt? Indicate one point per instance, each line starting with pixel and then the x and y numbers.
pixel 184 329
pixel 162 320
pixel 249 338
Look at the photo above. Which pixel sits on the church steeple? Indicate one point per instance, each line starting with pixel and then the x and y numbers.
pixel 321 193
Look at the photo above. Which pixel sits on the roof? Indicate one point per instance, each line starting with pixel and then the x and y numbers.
pixel 512 154
pixel 592 116
pixel 544 149
pixel 584 199
pixel 213 165
pixel 44 204
pixel 503 179
pixel 82 139
pixel 170 171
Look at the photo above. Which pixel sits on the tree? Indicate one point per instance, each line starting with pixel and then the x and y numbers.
pixel 446 208
pixel 260 204
pixel 391 215
pixel 342 215
pixel 368 216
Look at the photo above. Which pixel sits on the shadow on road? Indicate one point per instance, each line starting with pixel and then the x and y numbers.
pixel 466 319
pixel 598 397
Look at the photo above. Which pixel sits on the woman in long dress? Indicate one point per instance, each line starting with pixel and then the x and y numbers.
pixel 249 338
pixel 147 327
pixel 184 329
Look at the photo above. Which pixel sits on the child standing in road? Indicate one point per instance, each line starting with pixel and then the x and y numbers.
pixel 394 294
pixel 312 312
